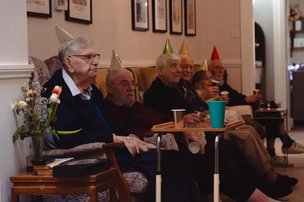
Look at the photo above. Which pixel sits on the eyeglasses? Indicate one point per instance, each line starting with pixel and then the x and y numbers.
pixel 88 58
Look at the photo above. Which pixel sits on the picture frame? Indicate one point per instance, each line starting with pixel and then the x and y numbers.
pixel 61 5
pixel 140 15
pixel 79 11
pixel 41 8
pixel 190 17
pixel 159 15
pixel 176 17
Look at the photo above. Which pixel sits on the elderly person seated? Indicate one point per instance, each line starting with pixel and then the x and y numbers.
pixel 123 110
pixel 274 128
pixel 179 94
pixel 81 110
pixel 201 81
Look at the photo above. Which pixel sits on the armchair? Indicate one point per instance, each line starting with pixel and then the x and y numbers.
pixel 103 150
pixel 127 183
pixel 130 185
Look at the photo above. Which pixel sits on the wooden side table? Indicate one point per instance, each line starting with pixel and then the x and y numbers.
pixel 272 114
pixel 29 184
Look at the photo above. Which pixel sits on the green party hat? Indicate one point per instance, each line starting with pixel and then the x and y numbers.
pixel 168 47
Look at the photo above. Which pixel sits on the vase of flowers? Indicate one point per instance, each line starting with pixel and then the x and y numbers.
pixel 38 114
pixel 38 146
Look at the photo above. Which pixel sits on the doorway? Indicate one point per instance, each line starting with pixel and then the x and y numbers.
pixel 272 17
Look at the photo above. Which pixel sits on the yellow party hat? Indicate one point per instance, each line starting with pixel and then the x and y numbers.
pixel 183 49
pixel 204 65
pixel 168 47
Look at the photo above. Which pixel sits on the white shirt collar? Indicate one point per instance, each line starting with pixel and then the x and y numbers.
pixel 73 87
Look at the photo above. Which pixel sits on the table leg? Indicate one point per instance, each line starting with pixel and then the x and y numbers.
pixel 14 196
pixel 94 196
pixel 216 176
pixel 158 171
pixel 285 153
pixel 112 194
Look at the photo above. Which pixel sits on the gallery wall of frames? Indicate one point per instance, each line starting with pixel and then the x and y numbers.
pixel 75 10
pixel 175 16
pixel 176 12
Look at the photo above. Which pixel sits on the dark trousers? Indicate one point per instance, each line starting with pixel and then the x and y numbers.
pixel 178 184
pixel 237 178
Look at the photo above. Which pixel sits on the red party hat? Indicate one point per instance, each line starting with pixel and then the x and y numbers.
pixel 215 55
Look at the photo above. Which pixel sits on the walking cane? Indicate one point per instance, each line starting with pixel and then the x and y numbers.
pixel 158 171
pixel 216 176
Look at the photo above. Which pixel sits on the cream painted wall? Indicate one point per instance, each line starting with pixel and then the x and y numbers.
pixel 14 69
pixel 13 36
pixel 111 28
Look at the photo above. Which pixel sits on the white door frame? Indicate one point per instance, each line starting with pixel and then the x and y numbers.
pixel 281 81
pixel 280 53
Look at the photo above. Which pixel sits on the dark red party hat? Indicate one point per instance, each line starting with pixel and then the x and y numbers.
pixel 215 55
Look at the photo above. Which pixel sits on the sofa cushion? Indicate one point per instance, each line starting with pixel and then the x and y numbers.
pixel 41 69
pixel 100 80
pixel 53 64
pixel 145 76
pixel 137 182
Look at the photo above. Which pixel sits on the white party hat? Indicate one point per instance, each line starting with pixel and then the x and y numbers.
pixel 62 35
pixel 115 62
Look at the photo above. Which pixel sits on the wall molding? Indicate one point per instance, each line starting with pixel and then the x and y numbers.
pixel 15 71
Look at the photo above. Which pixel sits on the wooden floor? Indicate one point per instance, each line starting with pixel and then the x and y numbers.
pixel 297 170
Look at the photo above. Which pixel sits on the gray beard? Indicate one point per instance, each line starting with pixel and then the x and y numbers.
pixel 116 102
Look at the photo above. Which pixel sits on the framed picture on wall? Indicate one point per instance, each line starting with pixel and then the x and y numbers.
pixel 190 17
pixel 176 24
pixel 61 5
pixel 41 8
pixel 159 17
pixel 140 15
pixel 79 11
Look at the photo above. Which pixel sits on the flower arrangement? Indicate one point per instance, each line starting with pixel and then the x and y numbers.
pixel 38 112
pixel 295 14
